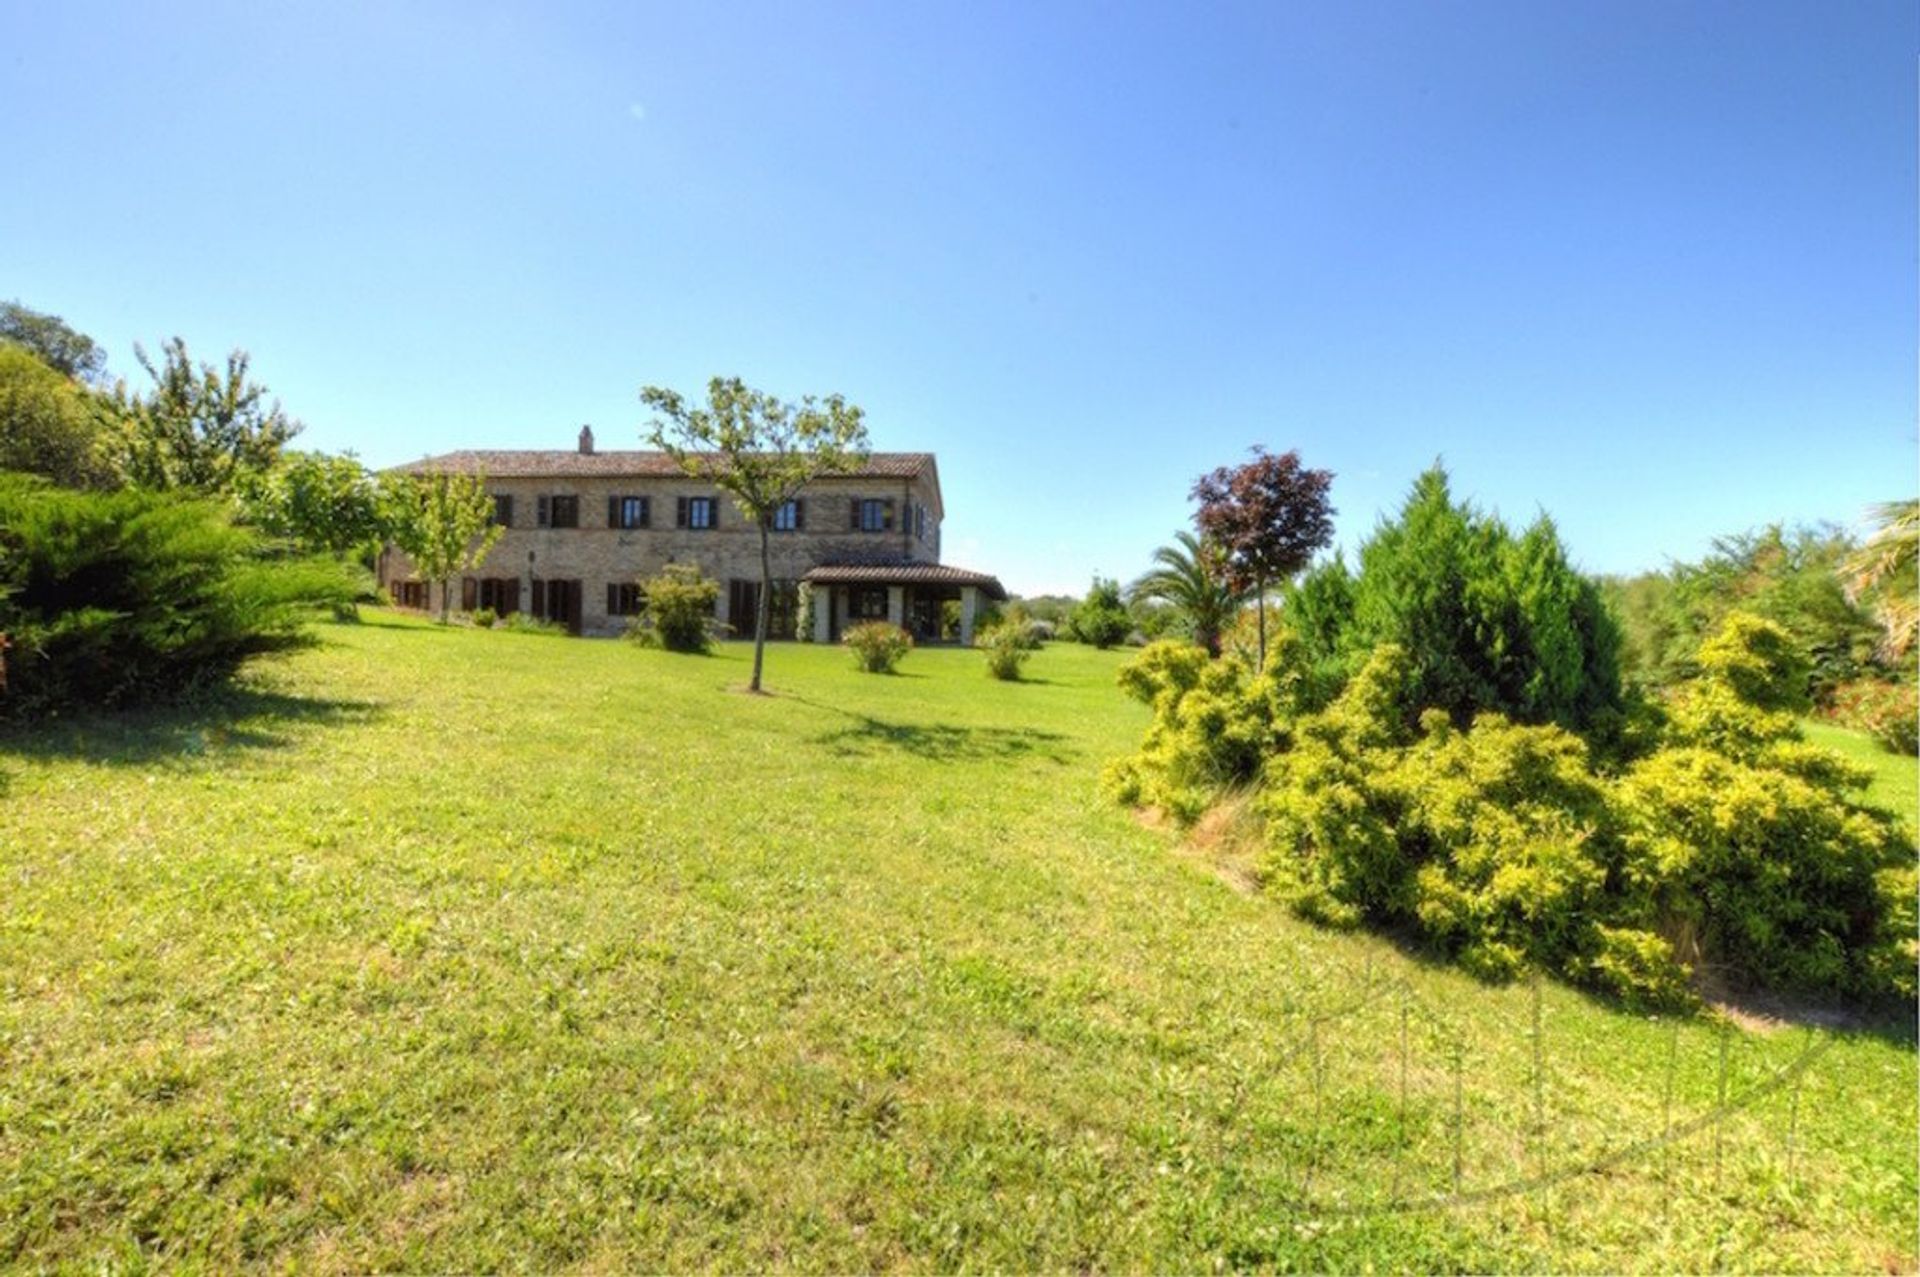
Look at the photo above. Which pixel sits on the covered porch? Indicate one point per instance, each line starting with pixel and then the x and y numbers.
pixel 933 602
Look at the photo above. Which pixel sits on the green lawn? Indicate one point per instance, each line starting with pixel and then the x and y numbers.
pixel 457 950
pixel 1896 777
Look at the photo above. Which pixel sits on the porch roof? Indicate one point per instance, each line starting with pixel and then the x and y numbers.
pixel 902 572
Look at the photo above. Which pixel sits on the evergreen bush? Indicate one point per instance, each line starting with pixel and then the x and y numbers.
pixel 114 598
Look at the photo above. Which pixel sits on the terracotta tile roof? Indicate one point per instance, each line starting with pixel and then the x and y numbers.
pixel 540 463
pixel 900 571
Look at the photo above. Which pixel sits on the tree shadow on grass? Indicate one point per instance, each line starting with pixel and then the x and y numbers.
pixel 866 736
pixel 212 723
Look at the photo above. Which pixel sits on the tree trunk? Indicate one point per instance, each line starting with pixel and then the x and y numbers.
pixel 446 593
pixel 1260 604
pixel 766 601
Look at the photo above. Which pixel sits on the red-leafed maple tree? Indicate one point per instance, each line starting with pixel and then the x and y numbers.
pixel 1270 516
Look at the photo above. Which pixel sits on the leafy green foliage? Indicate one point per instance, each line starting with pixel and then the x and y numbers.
pixel 49 426
pixel 761 450
pixel 1191 577
pixel 200 426
pixel 1796 578
pixel 52 341
pixel 1504 846
pixel 120 597
pixel 444 523
pixel 1211 727
pixel 677 613
pixel 324 504
pixel 877 647
pixel 1487 620
pixel 1007 649
pixel 1101 618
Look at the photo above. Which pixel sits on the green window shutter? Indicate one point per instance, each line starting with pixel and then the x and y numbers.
pixel 680 513
pixel 613 512
pixel 543 512
pixel 799 513
pixel 853 523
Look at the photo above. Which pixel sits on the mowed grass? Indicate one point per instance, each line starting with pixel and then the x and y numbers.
pixel 457 950
pixel 1896 777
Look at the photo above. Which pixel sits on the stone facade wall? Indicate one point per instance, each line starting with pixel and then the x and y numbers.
pixel 595 554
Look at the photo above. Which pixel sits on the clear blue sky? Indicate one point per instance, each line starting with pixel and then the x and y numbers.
pixel 1650 267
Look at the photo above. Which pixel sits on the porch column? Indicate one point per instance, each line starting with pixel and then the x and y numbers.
pixel 896 605
pixel 823 614
pixel 969 601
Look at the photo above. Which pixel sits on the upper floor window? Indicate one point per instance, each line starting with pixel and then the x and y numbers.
pixel 628 512
pixel 920 522
pixel 790 517
pixel 870 515
pixel 503 509
pixel 698 513
pixel 558 512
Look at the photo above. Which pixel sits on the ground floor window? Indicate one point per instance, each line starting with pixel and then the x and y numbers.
pixel 500 595
pixel 624 598
pixel 867 602
pixel 409 594
pixel 743 606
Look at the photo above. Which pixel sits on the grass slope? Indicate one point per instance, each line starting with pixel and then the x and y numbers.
pixel 1896 777
pixel 456 950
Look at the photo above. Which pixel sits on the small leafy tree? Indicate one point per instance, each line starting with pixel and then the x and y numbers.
pixel 445 524
pixel 760 450
pixel 1101 619
pixel 322 503
pixel 1269 516
pixel 1191 577
pixel 200 426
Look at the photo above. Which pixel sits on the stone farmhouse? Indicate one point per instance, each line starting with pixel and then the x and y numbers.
pixel 584 526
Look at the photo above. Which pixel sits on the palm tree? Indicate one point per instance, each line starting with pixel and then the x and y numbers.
pixel 1191 575
pixel 1886 567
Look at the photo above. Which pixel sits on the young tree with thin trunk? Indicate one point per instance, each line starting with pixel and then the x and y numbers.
pixel 445 524
pixel 761 451
pixel 1270 516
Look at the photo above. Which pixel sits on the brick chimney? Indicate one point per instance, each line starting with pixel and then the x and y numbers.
pixel 586 440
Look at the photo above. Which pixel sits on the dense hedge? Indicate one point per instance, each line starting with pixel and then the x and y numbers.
pixel 1733 844
pixel 111 598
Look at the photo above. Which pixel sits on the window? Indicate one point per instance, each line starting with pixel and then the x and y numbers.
pixel 409 594
pixel 920 522
pixel 868 603
pixel 870 515
pixel 558 512
pixel 701 513
pixel 628 512
pixel 501 593
pixel 743 608
pixel 503 509
pixel 790 517
pixel 624 598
